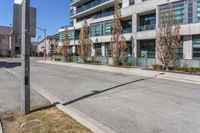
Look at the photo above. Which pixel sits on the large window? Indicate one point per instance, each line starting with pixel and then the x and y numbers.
pixel 129 49
pixel 198 10
pixel 147 46
pixel 107 28
pixel 178 9
pixel 127 26
pixel 196 46
pixel 71 35
pixel 97 48
pixel 95 30
pixel 131 2
pixel 147 22
pixel 107 50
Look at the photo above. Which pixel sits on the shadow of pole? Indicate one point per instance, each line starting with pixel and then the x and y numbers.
pixel 96 92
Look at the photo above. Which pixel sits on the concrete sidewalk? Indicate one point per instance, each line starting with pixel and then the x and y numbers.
pixel 133 71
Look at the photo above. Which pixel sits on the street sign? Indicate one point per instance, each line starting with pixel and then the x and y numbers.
pixel 17 19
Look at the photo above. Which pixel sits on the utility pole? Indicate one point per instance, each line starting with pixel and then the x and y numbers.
pixel 45 41
pixel 25 58
pixel 74 41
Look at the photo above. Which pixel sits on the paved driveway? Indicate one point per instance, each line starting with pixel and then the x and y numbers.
pixel 124 103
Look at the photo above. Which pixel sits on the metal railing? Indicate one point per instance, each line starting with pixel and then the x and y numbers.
pixel 146 27
pixel 127 30
pixel 72 1
pixel 90 5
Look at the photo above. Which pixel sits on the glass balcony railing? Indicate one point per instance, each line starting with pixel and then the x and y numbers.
pixel 90 5
pixel 72 1
pixel 146 27
pixel 127 30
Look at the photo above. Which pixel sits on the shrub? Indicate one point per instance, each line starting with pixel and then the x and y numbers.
pixel 157 67
pixel 128 64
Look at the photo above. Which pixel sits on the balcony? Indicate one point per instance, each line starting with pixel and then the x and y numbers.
pixel 90 5
pixel 73 1
pixel 91 8
pixel 127 30
pixel 76 3
pixel 146 27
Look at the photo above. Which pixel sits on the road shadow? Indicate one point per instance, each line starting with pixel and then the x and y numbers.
pixel 96 92
pixel 9 64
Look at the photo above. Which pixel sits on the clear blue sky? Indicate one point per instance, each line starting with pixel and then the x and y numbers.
pixel 51 14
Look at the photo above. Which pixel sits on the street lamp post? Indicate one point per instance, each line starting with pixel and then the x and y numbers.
pixel 45 35
pixel 74 42
pixel 25 58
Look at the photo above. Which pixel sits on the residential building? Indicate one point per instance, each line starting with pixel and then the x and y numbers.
pixel 51 44
pixel 62 36
pixel 140 18
pixel 5 41
pixel 33 48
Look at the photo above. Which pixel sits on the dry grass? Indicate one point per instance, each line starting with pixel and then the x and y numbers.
pixel 49 120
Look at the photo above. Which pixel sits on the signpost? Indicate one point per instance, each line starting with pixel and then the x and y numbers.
pixel 25 59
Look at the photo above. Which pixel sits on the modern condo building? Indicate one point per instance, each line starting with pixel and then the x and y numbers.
pixel 140 19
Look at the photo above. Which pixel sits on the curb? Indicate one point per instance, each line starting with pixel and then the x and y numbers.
pixel 1 127
pixel 92 124
pixel 158 75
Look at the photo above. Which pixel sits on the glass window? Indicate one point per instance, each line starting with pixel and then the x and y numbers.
pixel 198 10
pixel 95 30
pixel 180 50
pixel 129 49
pixel 107 50
pixel 131 2
pixel 108 28
pixel 127 26
pixel 149 47
pixel 97 48
pixel 147 22
pixel 196 46
pixel 178 9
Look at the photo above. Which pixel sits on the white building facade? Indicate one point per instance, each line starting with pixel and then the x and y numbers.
pixel 139 22
pixel 48 45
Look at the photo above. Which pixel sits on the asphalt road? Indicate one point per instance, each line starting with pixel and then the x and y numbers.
pixel 124 103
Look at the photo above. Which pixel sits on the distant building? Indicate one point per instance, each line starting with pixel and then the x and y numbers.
pixel 33 50
pixel 51 45
pixel 5 41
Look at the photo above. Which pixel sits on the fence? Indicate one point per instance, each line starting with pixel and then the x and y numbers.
pixel 139 62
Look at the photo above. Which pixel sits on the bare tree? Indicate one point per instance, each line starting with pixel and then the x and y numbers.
pixel 118 43
pixel 84 43
pixel 65 48
pixel 168 37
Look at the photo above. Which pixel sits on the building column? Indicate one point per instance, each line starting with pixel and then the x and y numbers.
pixel 103 49
pixel 134 32
pixel 187 47
pixel 73 49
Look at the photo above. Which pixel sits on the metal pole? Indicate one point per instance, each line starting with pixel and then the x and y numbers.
pixel 45 35
pixel 74 42
pixel 25 58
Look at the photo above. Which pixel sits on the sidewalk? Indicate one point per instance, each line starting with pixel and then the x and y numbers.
pixel 133 71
